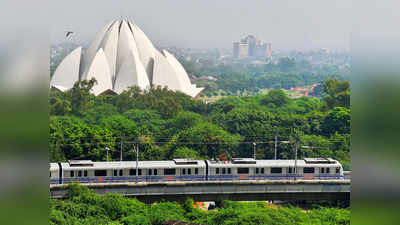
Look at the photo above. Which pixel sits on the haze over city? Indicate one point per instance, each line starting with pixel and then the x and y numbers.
pixel 288 25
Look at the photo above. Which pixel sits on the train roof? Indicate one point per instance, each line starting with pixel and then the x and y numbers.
pixel 187 163
pixel 190 163
pixel 53 166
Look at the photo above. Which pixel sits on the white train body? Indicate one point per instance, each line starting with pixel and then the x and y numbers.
pixel 86 171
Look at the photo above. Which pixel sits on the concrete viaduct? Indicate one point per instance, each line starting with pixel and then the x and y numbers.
pixel 222 190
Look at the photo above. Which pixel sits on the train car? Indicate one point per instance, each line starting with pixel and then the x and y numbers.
pixel 54 170
pixel 250 169
pixel 86 171
pixel 237 169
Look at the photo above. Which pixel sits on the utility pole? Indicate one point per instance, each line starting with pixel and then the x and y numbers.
pixel 120 155
pixel 107 149
pixel 276 145
pixel 137 162
pixel 295 162
pixel 254 150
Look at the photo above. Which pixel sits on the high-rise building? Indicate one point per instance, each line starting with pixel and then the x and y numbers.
pixel 236 49
pixel 269 51
pixel 244 50
pixel 251 47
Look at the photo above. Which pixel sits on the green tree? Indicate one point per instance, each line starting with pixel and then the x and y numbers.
pixel 337 120
pixel 276 97
pixel 79 95
pixel 77 140
pixel 166 211
pixel 338 94
pixel 186 153
pixel 209 139
pixel 59 105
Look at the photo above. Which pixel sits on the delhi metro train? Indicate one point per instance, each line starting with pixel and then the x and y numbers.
pixel 86 171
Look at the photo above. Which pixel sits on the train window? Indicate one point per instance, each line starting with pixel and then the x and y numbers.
pixel 115 173
pixel 276 170
pixel 196 171
pixel 183 171
pixel 155 171
pixel 327 170
pixel 85 173
pixel 189 171
pixel 308 170
pixel 262 170
pixel 257 170
pixel 169 172
pixel 121 173
pixel 79 173
pixel 217 170
pixel 243 170
pixel 71 174
pixel 229 170
pixel 322 170
pixel 150 172
pixel 132 172
pixel 337 170
pixel 223 170
pixel 100 173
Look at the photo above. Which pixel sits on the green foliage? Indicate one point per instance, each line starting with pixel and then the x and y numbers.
pixel 239 78
pixel 176 126
pixel 338 94
pixel 165 211
pixel 95 114
pixel 276 97
pixel 208 139
pixel 70 138
pixel 186 153
pixel 337 121
pixel 82 206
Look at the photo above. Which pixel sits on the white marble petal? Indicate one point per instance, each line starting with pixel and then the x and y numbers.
pixel 146 50
pixel 126 45
pixel 179 70
pixel 164 74
pixel 110 46
pixel 67 73
pixel 91 51
pixel 187 87
pixel 100 70
pixel 130 74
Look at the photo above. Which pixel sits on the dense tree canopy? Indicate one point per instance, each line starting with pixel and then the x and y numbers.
pixel 337 94
pixel 175 125
pixel 239 78
pixel 84 207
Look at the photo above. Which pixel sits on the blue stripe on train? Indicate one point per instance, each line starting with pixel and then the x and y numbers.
pixel 107 179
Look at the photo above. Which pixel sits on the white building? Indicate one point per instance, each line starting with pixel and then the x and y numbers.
pixel 122 56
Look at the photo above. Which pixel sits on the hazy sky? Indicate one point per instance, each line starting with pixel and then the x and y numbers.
pixel 287 24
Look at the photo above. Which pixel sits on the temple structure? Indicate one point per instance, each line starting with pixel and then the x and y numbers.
pixel 122 56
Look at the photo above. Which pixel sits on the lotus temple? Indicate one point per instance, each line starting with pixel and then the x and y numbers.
pixel 122 56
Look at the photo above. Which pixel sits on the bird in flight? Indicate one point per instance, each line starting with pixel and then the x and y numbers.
pixel 68 33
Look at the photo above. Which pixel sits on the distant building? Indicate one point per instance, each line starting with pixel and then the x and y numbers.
pixel 243 51
pixel 251 47
pixel 236 49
